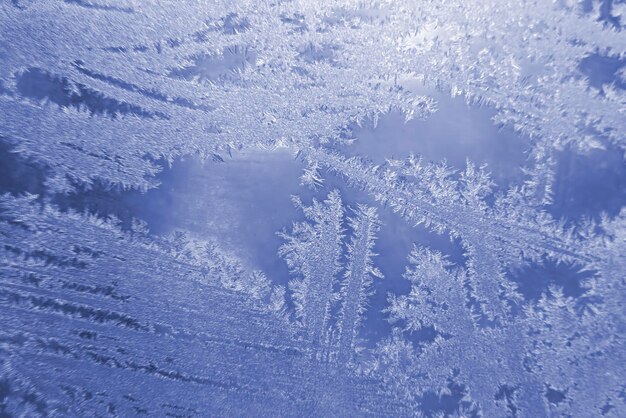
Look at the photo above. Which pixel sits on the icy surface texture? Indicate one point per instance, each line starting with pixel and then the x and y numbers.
pixel 312 208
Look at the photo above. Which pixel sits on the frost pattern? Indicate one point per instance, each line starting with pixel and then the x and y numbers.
pixel 105 318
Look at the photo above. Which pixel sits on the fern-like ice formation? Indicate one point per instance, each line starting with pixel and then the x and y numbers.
pixel 106 317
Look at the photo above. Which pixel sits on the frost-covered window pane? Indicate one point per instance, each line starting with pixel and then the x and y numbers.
pixel 312 208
